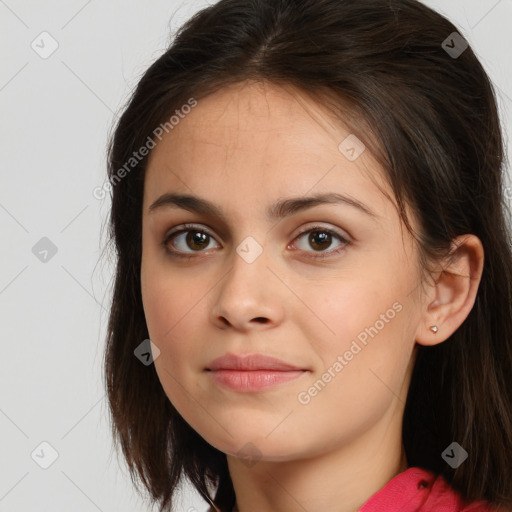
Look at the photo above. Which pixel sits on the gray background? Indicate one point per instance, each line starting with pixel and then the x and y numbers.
pixel 56 116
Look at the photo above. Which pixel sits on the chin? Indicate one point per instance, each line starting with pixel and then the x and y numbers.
pixel 252 445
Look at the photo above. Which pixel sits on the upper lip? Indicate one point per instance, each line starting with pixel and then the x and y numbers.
pixel 250 362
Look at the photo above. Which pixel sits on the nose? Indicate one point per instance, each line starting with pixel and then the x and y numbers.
pixel 248 295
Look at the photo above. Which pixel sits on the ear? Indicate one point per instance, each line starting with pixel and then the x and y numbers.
pixel 451 297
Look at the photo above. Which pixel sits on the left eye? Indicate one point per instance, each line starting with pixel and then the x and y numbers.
pixel 198 240
pixel 320 238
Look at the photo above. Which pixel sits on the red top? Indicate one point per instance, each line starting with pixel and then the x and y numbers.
pixel 419 490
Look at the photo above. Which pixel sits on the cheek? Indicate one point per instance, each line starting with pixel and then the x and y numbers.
pixel 363 358
pixel 362 319
pixel 169 305
pixel 351 305
pixel 165 297
pixel 172 304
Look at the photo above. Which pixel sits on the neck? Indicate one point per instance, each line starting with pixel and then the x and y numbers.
pixel 340 480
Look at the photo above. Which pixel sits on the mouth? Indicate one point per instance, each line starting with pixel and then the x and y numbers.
pixel 254 372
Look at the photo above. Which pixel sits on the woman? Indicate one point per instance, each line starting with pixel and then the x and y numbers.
pixel 361 367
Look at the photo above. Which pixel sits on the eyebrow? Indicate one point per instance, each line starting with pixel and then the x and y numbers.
pixel 280 209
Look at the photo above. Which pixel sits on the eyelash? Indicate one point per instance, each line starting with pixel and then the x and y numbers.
pixel 189 227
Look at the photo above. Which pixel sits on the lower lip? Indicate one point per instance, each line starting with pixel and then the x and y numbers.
pixel 253 380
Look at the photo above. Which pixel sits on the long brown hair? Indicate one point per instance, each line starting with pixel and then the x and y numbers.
pixel 430 118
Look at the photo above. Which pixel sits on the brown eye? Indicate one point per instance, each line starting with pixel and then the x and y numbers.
pixel 320 239
pixel 187 241
pixel 196 240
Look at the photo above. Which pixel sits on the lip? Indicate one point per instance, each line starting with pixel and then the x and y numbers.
pixel 250 362
pixel 253 372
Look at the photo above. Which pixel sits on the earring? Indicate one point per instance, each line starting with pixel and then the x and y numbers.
pixel 434 328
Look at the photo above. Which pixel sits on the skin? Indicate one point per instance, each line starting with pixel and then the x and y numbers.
pixel 243 148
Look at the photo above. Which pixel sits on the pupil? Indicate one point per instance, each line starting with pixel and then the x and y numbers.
pixel 197 238
pixel 324 239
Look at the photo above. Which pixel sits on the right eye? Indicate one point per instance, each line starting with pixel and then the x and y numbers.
pixel 190 236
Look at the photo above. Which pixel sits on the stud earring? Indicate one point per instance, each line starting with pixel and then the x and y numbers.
pixel 434 328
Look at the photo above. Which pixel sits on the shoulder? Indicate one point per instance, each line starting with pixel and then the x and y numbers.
pixel 444 497
pixel 420 490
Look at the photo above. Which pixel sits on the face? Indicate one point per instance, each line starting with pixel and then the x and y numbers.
pixel 329 288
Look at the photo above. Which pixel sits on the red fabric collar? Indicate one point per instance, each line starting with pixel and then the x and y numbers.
pixel 419 490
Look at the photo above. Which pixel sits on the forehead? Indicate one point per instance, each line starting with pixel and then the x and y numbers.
pixel 246 112
pixel 259 140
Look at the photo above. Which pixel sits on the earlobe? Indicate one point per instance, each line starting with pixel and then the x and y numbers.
pixel 454 291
